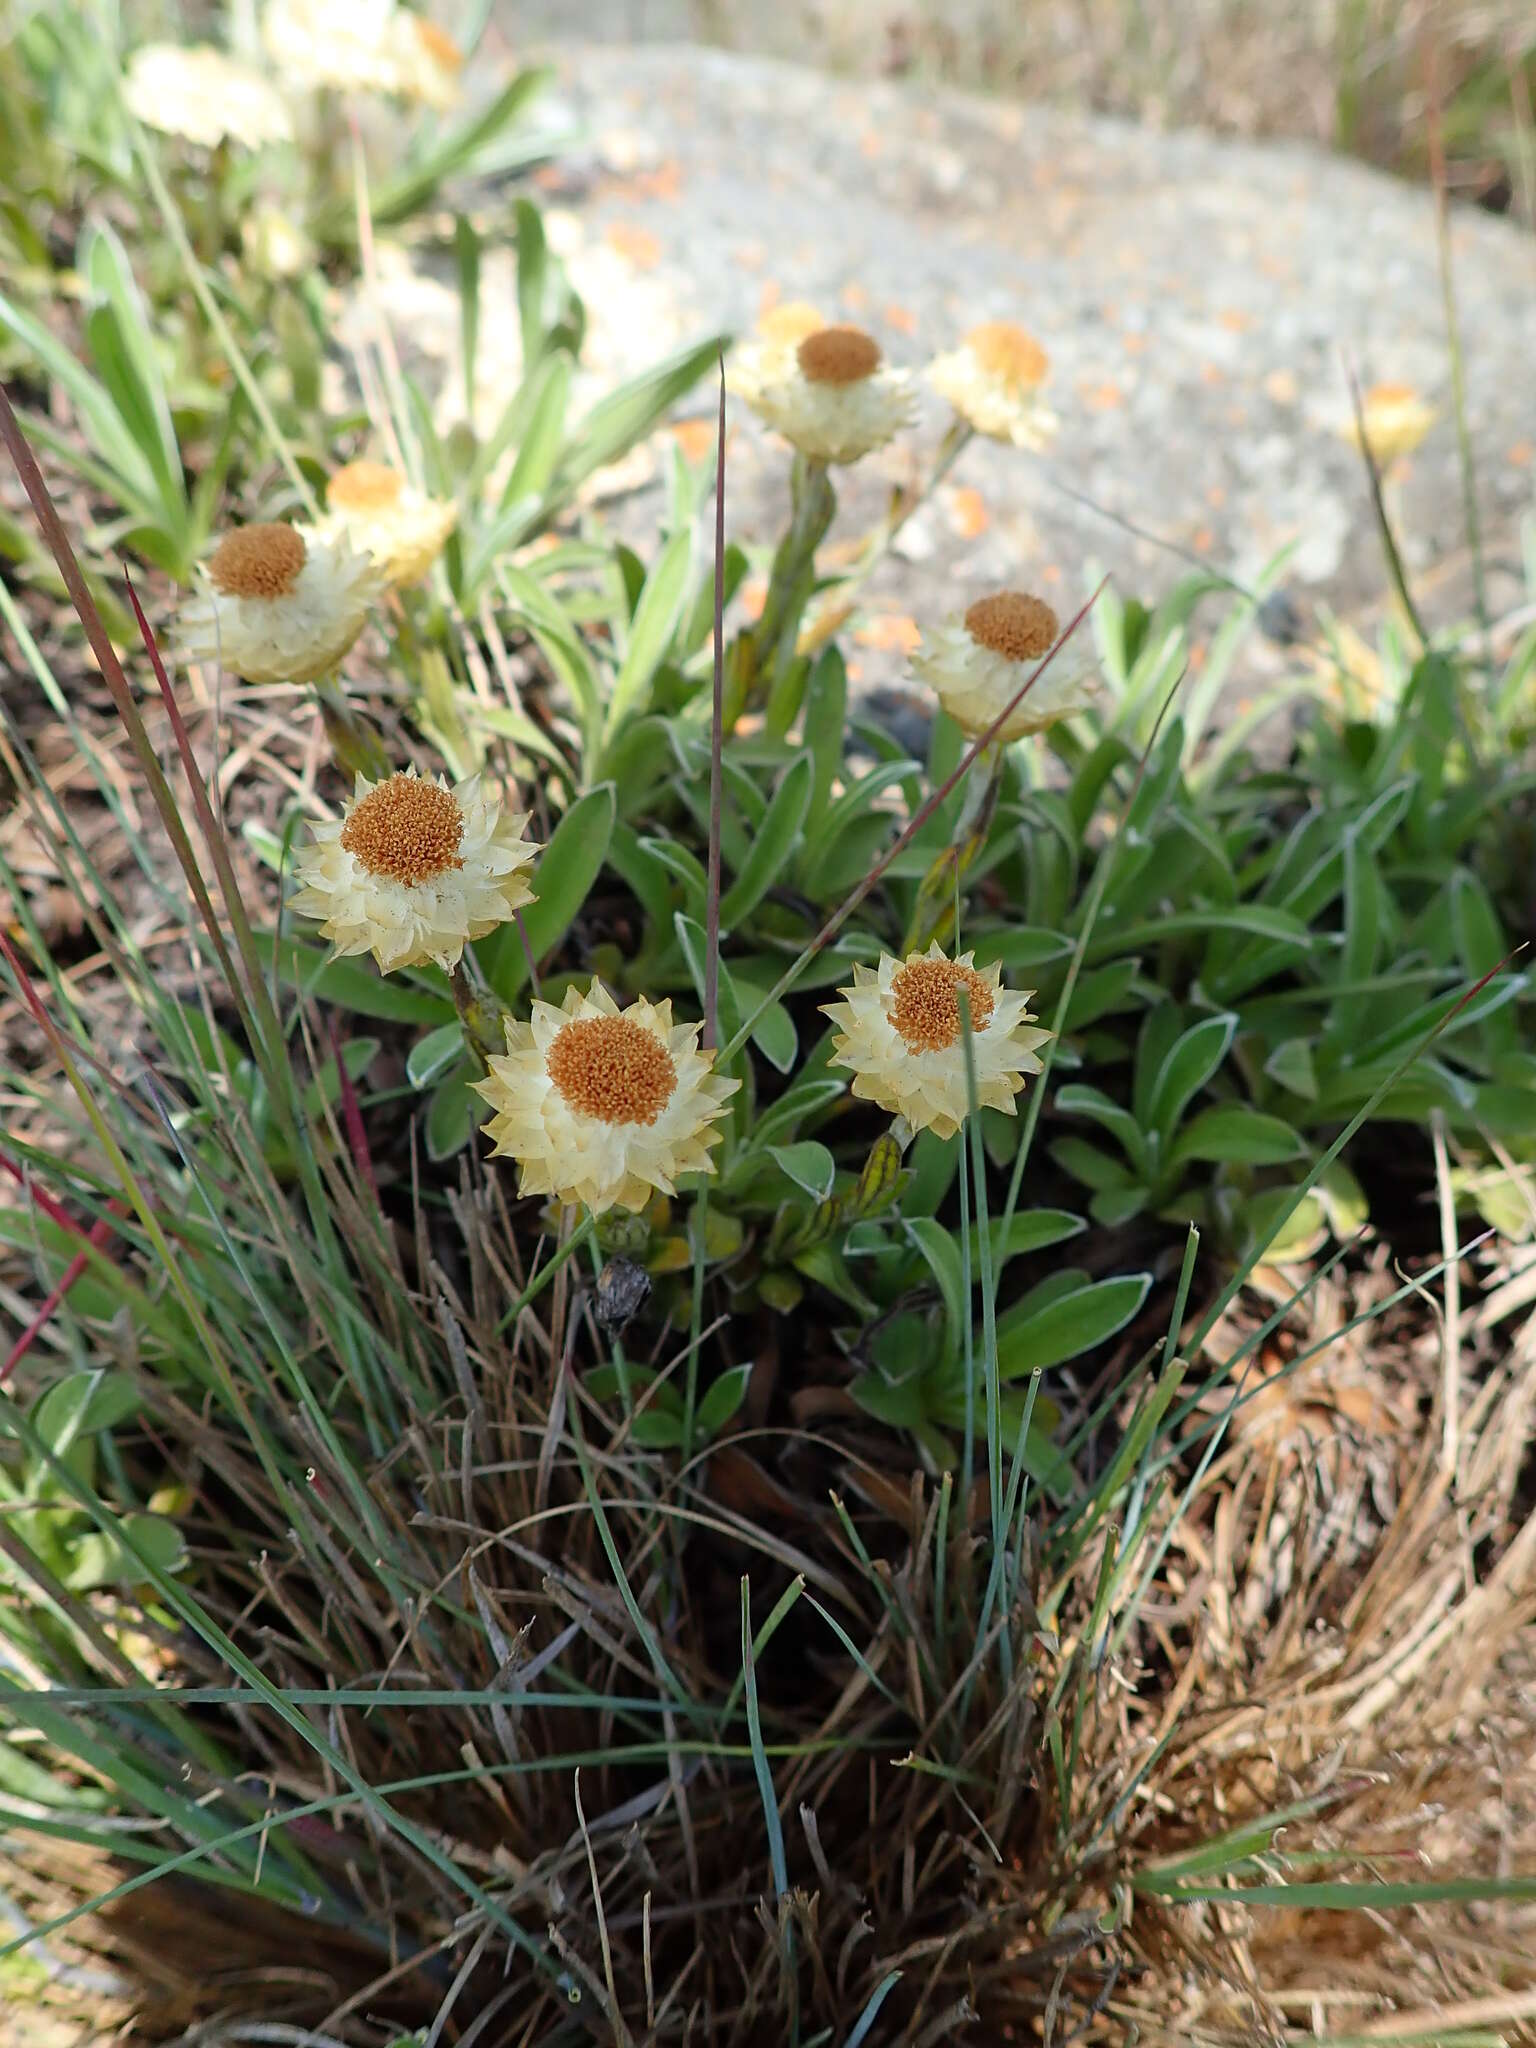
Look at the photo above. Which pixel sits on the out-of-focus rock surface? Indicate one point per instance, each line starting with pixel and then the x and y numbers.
pixel 1199 299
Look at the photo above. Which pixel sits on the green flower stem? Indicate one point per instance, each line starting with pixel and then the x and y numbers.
pixel 355 746
pixel 793 576
pixel 482 1016
pixel 982 789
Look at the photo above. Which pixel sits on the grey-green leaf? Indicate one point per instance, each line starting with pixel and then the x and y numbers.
pixel 1193 1058
pixel 1069 1326
pixel 809 1166
pixel 772 845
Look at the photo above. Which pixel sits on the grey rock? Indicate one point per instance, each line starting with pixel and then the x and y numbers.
pixel 1199 300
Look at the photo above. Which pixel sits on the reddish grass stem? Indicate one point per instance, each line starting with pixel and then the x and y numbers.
pixel 711 1032
pixel 46 514
pixel 351 1112
pixel 99 1232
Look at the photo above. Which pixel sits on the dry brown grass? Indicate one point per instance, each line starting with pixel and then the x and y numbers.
pixel 1338 1620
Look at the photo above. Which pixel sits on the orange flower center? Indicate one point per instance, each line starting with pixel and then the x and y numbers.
pixel 365 487
pixel 613 1069
pixel 405 830
pixel 258 561
pixel 924 1006
pixel 1009 354
pixel 1017 627
pixel 838 355
pixel 1390 396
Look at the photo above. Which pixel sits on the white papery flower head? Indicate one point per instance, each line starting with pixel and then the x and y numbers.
pixel 413 869
pixel 384 516
pixel 994 379
pixel 830 394
pixel 277 608
pixel 348 45
pixel 977 664
pixel 204 97
pixel 601 1105
pixel 899 1029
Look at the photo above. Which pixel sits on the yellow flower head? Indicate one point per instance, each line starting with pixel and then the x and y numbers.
pixel 771 352
pixel 384 516
pixel 1396 421
pixel 831 394
pixel 977 664
pixel 601 1105
pixel 278 608
pixel 413 869
pixel 993 380
pixel 786 326
pixel 899 1029
pixel 204 97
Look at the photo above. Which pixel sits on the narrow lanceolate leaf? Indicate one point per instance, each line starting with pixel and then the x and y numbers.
pixel 1188 1066
pixel 123 345
pixel 538 451
pixel 1234 1133
pixel 650 634
pixel 563 880
pixel 627 415
pixel 1069 1326
pixel 353 984
pixel 773 844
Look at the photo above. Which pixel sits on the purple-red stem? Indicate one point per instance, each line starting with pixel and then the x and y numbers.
pixel 100 1231
pixel 351 1113
pixel 711 1032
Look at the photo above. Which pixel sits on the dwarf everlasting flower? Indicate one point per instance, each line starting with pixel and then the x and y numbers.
pixel 601 1105
pixel 831 395
pixel 993 380
pixel 348 45
pixel 1396 420
pixel 278 608
pixel 976 665
pixel 204 97
pixel 899 1030
pixel 382 515
pixel 413 869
